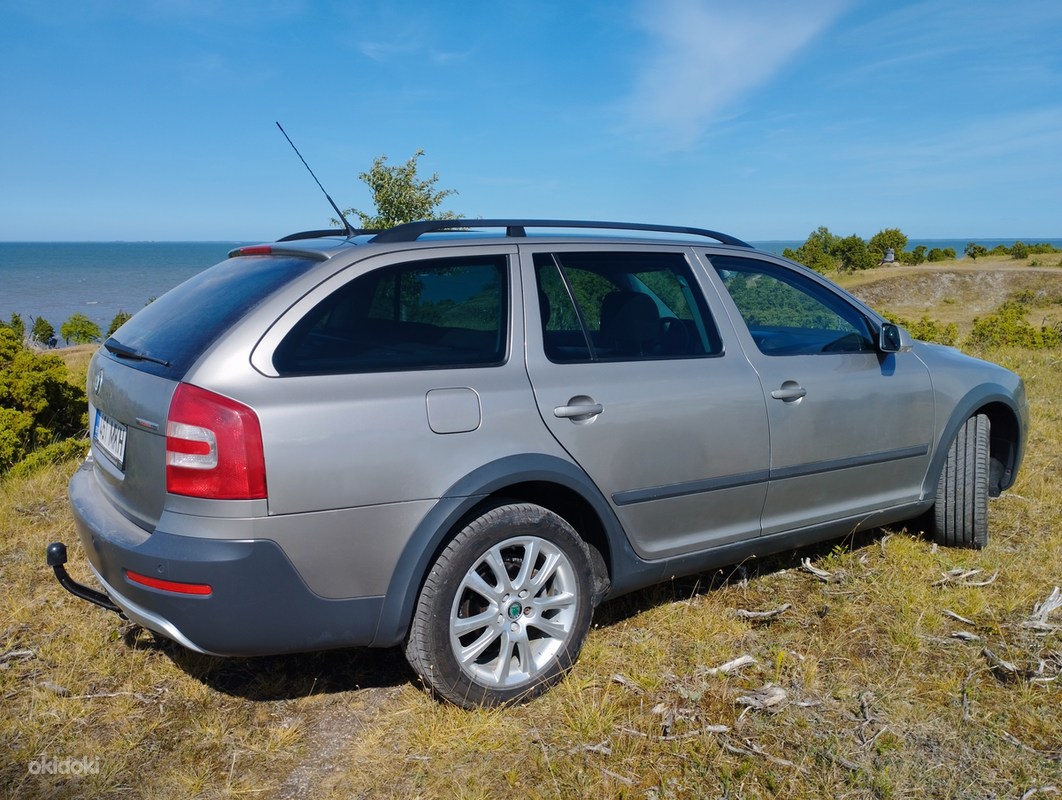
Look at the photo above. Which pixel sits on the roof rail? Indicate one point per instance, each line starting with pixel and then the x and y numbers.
pixel 516 228
pixel 293 237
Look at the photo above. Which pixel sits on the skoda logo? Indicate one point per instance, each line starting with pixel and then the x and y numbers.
pixel 99 381
pixel 514 611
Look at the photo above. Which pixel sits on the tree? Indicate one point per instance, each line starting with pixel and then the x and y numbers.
pixel 941 254
pixel 888 239
pixel 119 320
pixel 914 257
pixel 854 254
pixel 17 326
pixel 1019 250
pixel 42 332
pixel 399 196
pixel 975 251
pixel 817 251
pixel 79 329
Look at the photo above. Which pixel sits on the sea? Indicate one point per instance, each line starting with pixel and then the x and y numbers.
pixel 55 280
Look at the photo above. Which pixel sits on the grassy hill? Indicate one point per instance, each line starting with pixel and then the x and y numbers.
pixel 891 669
pixel 961 291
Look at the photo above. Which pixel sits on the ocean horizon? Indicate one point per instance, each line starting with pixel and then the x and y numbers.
pixel 55 280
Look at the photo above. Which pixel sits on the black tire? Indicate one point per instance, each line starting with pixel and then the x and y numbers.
pixel 960 515
pixel 517 629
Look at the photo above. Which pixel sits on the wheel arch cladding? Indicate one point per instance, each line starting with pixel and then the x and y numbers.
pixel 1006 445
pixel 555 484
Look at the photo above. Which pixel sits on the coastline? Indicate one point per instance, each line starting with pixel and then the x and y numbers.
pixel 55 280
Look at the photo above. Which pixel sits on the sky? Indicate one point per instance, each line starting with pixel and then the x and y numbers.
pixel 155 119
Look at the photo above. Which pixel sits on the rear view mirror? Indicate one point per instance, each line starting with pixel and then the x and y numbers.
pixel 894 339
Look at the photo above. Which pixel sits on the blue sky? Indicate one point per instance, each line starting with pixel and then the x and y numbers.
pixel 154 119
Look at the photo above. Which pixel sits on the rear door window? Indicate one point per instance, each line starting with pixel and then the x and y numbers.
pixel 431 314
pixel 622 306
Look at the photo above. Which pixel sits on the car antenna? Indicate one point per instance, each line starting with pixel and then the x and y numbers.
pixel 343 220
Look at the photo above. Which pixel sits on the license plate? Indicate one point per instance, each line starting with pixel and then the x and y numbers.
pixel 109 436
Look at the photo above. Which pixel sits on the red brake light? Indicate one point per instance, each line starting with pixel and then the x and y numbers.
pixel 213 447
pixel 253 250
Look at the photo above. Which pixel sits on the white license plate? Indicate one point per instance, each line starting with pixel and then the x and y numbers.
pixel 109 436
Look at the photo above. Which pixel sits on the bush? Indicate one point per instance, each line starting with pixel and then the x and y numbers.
pixel 854 254
pixel 54 453
pixel 1007 325
pixel 888 239
pixel 913 257
pixel 39 406
pixel 929 330
pixel 941 254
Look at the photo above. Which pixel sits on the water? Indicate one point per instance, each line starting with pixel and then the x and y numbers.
pixel 98 279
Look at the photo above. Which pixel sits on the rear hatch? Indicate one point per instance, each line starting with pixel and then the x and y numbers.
pixel 133 377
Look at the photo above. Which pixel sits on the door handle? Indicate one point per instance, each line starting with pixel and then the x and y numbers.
pixel 790 392
pixel 579 409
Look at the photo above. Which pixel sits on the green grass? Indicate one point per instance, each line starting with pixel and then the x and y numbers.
pixel 880 701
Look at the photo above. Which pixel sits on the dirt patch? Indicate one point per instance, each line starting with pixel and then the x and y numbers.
pixel 334 724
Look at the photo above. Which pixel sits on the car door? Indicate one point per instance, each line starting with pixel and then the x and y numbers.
pixel 851 427
pixel 644 389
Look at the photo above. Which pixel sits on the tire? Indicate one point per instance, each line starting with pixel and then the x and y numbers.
pixel 504 610
pixel 960 515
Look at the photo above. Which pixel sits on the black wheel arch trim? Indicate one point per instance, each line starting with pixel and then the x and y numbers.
pixel 984 399
pixel 462 498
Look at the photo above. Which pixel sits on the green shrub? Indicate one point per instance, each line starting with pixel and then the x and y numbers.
pixel 929 330
pixel 942 254
pixel 1007 325
pixel 39 406
pixel 54 453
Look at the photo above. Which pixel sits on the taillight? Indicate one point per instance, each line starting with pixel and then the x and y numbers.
pixel 213 447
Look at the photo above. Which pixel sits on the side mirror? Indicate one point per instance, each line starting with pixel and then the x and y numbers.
pixel 894 339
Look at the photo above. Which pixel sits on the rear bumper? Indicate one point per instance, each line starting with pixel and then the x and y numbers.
pixel 258 604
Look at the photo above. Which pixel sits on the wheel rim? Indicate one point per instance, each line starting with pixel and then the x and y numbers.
pixel 514 612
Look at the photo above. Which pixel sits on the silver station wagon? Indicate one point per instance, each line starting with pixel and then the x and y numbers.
pixel 461 436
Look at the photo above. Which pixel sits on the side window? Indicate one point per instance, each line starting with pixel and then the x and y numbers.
pixel 787 314
pixel 440 313
pixel 622 306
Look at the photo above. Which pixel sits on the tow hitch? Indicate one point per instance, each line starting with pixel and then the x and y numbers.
pixel 56 560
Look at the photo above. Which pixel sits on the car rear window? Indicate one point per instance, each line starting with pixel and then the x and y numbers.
pixel 179 326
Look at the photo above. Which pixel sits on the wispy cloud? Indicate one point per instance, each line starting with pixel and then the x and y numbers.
pixel 704 54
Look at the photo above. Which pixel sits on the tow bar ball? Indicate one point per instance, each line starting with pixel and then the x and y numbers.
pixel 56 555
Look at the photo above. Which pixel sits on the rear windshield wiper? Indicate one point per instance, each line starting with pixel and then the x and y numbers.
pixel 120 350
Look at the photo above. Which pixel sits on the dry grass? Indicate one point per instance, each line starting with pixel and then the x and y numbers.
pixel 959 292
pixel 874 696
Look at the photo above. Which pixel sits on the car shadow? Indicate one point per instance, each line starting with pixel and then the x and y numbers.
pixel 685 587
pixel 287 677
pixel 284 677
